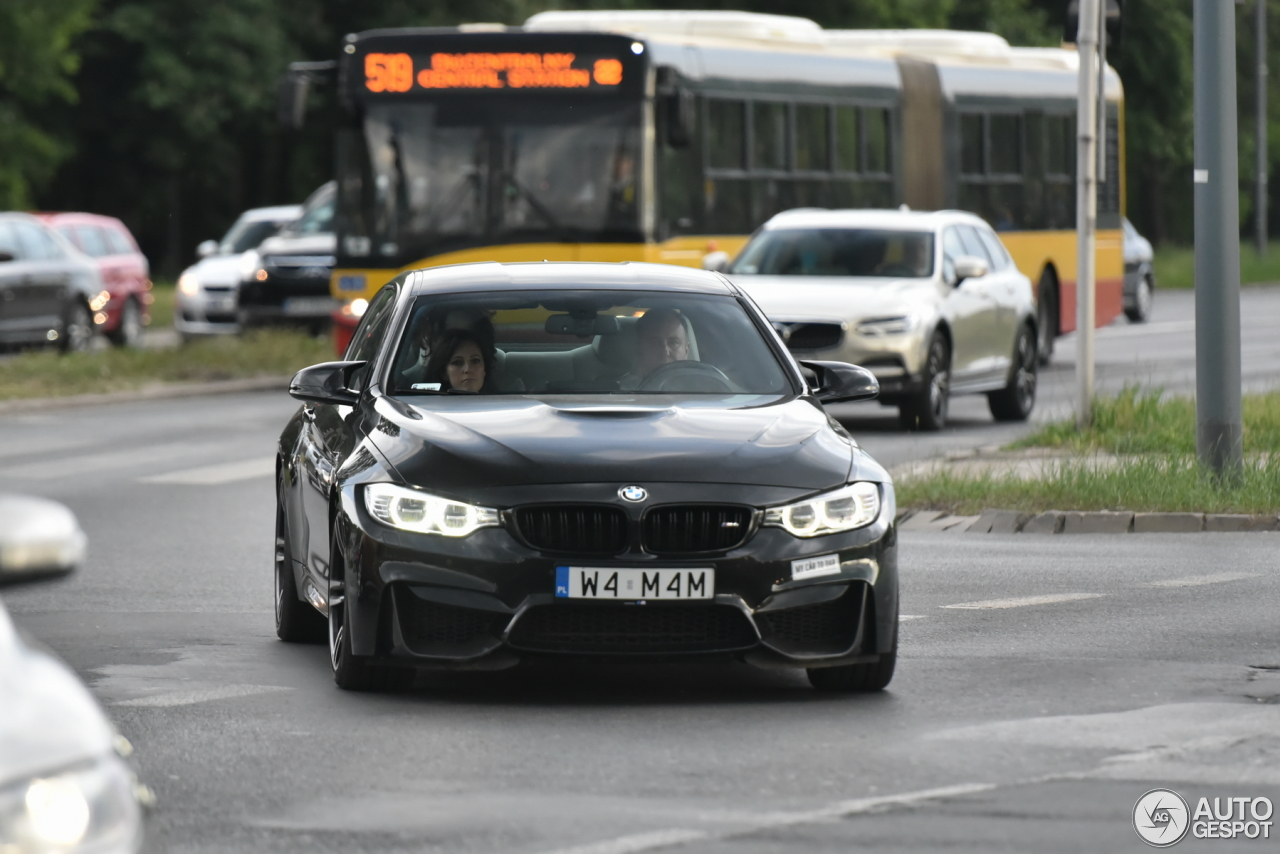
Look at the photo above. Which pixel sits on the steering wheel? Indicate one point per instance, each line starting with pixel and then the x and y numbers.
pixel 687 376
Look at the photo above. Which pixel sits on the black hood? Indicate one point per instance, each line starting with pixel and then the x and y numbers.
pixel 460 444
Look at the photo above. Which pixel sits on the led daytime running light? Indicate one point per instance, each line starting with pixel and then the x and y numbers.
pixel 412 510
pixel 854 506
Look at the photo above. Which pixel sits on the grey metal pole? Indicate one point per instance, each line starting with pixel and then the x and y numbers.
pixel 1260 136
pixel 1101 115
pixel 1086 208
pixel 1217 239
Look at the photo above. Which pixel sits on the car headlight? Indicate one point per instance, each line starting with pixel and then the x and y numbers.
pixel 854 506
pixel 100 301
pixel 93 807
pixel 188 285
pixel 250 264
pixel 878 326
pixel 412 510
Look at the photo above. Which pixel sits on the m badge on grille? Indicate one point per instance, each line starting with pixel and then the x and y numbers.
pixel 633 493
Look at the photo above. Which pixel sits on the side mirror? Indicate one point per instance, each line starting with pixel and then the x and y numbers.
pixel 969 267
pixel 5 256
pixel 328 382
pixel 717 262
pixel 840 381
pixel 207 248
pixel 39 539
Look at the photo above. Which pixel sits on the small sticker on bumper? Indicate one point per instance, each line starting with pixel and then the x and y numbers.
pixel 812 567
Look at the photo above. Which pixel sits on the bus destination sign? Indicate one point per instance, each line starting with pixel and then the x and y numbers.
pixel 399 73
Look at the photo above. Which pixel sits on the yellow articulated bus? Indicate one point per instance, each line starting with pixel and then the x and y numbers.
pixel 665 136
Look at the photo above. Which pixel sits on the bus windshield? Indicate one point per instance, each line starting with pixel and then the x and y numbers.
pixel 431 176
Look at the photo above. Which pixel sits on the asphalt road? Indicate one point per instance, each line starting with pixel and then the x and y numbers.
pixel 1044 683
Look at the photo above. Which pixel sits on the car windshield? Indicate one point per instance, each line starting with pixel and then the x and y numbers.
pixel 317 214
pixel 585 342
pixel 246 234
pixel 863 252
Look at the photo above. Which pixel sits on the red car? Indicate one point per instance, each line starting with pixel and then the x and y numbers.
pixel 125 272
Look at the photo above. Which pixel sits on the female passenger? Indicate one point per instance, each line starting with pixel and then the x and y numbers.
pixel 462 360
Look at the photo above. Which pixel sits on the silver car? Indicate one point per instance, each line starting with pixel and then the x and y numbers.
pixel 931 303
pixel 206 302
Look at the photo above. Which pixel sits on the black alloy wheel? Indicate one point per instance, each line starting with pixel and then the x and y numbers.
pixel 129 332
pixel 1141 308
pixel 354 672
pixel 927 409
pixel 858 678
pixel 77 328
pixel 296 621
pixel 1015 401
pixel 1046 316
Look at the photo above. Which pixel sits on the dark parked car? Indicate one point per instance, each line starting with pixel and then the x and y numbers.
pixel 49 290
pixel 1139 274
pixel 125 272
pixel 287 280
pixel 524 460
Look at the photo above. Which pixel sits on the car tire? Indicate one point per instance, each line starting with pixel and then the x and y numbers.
pixel 354 672
pixel 128 333
pixel 857 678
pixel 1141 308
pixel 77 328
pixel 296 621
pixel 1015 401
pixel 927 409
pixel 1047 320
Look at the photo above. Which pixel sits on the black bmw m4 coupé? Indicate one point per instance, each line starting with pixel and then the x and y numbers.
pixel 590 460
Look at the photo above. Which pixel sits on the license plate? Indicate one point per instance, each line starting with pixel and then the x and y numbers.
pixel 590 582
pixel 222 304
pixel 308 305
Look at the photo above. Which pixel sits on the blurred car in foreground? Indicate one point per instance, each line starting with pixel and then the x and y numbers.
pixel 64 783
pixel 206 295
pixel 931 303
pixel 49 290
pixel 645 471
pixel 1139 274
pixel 286 281
pixel 126 275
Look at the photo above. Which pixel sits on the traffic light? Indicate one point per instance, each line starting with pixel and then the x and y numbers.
pixel 1114 20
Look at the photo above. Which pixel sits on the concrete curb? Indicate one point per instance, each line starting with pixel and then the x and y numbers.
pixel 159 391
pixel 992 521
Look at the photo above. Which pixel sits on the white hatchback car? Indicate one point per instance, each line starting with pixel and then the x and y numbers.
pixel 206 301
pixel 931 303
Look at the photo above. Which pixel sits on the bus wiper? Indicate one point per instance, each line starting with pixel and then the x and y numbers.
pixel 538 207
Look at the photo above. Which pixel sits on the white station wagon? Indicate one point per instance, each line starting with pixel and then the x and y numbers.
pixel 931 303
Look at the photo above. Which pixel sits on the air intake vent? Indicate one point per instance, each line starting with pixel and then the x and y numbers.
pixel 634 629
pixel 574 529
pixel 695 528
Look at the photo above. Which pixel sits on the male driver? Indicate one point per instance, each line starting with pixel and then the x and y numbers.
pixel 661 338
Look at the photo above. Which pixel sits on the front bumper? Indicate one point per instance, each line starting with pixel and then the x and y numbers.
pixel 488 600
pixel 897 360
pixel 210 312
pixel 295 298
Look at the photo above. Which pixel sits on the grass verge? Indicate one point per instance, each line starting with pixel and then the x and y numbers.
pixel 1168 483
pixel 1156 469
pixel 162 301
pixel 1175 266
pixel 1137 422
pixel 268 352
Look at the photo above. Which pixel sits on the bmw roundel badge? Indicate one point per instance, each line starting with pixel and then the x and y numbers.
pixel 633 493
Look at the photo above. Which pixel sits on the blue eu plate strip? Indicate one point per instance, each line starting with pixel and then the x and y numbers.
pixel 562 581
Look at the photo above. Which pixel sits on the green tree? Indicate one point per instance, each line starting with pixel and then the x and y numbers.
pixel 36 64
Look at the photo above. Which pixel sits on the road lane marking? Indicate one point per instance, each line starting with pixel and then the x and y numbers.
pixel 1167 327
pixel 216 474
pixel 676 836
pixel 904 617
pixel 1024 601
pixel 144 458
pixel 187 698
pixel 1199 580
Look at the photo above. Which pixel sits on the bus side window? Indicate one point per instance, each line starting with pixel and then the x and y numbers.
pixel 726 134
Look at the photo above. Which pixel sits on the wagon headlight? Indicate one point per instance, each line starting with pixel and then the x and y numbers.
pixel 879 326
pixel 412 510
pixel 91 808
pixel 854 506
